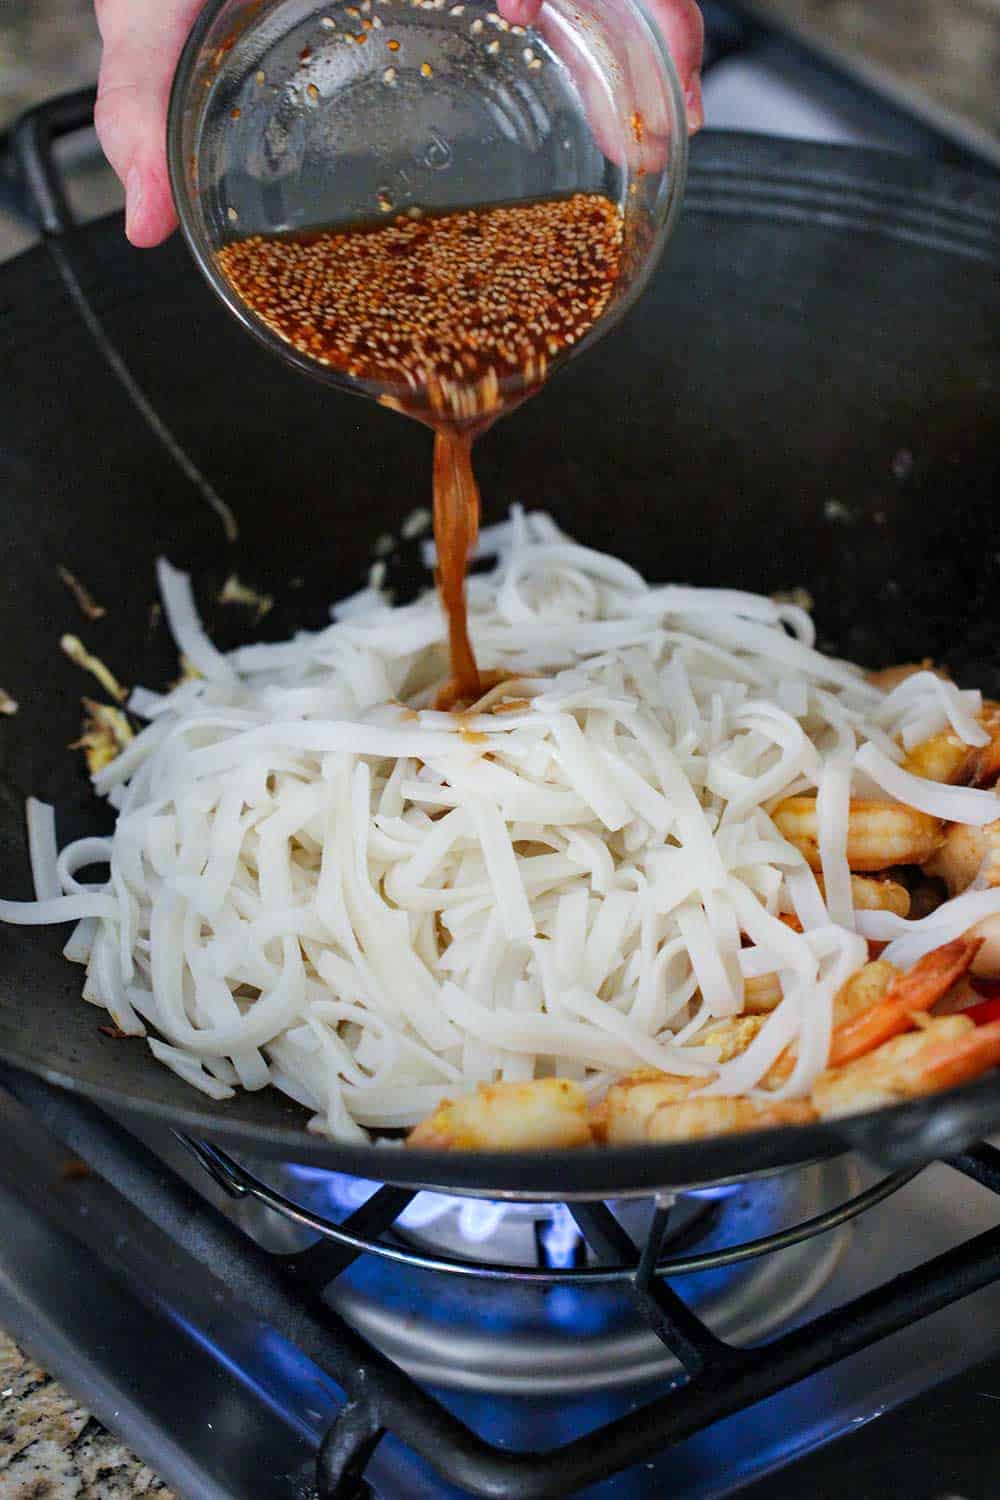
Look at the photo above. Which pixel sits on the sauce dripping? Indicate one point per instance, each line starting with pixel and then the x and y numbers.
pixel 456 527
pixel 462 312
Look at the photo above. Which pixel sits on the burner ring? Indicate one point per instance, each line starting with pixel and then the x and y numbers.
pixel 238 1182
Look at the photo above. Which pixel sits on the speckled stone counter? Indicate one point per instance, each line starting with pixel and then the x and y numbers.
pixel 938 58
pixel 51 1448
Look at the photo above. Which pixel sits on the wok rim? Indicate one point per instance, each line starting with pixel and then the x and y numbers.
pixel 588 1173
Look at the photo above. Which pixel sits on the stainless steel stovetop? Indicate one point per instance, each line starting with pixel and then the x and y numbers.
pixel 224 1409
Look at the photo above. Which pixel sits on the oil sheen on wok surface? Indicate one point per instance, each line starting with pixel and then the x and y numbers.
pixel 730 483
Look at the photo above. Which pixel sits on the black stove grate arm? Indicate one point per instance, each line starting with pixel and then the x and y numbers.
pixel 319 1264
pixel 344 1452
pixel 981 1163
pixel 673 1322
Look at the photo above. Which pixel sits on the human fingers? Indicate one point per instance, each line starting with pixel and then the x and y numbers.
pixel 684 32
pixel 683 29
pixel 142 42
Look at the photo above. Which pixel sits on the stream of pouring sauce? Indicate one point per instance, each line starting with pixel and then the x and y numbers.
pixel 462 314
pixel 456 528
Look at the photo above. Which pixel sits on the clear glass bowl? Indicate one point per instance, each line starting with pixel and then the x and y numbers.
pixel 290 116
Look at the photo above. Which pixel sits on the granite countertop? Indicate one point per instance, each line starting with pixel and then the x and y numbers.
pixel 53 1449
pixel 938 58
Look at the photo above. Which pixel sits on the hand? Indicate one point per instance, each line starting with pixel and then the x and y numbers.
pixel 143 40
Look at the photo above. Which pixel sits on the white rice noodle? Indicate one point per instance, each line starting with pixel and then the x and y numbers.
pixel 185 626
pixel 320 883
pixel 910 941
pixel 957 804
pixel 43 850
pixel 924 704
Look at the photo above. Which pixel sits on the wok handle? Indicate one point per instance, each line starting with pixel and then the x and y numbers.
pixel 32 137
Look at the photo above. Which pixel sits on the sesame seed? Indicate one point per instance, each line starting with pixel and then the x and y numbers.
pixel 535 63
pixel 389 76
pixel 232 216
pixel 528 55
pixel 493 48
pixel 312 91
pixel 449 306
pixel 518 31
pixel 426 71
pixel 377 22
pixel 259 77
pixel 457 10
pixel 476 27
pixel 328 23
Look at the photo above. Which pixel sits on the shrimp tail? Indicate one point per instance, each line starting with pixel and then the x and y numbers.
pixel 919 989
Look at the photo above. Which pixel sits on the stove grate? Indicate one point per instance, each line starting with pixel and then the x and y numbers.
pixel 361 1232
pixel 286 1292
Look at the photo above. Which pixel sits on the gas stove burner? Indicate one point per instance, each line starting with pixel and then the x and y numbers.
pixel 575 1327
pixel 507 1338
pixel 555 1384
pixel 516 1234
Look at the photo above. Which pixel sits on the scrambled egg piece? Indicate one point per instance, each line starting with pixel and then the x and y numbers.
pixel 106 732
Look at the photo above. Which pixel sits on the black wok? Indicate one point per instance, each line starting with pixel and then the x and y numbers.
pixel 808 394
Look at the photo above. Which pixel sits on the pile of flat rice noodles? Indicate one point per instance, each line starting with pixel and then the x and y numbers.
pixel 319 882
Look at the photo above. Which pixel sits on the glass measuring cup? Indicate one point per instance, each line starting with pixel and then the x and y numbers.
pixel 288 116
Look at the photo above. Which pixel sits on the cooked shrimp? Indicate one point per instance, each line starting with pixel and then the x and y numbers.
pixel 966 853
pixel 986 964
pixel 548 1112
pixel 861 1028
pixel 693 1119
pixel 870 893
pixel 984 763
pixel 880 893
pixel 879 834
pixel 947 1051
pixel 632 1102
pixel 877 1003
pixel 762 992
pixel 858 996
pixel 658 1107
pixel 944 757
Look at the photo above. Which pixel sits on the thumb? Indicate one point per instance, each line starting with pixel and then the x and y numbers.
pixel 142 42
pixel 683 30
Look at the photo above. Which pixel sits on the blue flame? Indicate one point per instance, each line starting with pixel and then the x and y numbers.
pixel 478 1218
pixel 560 1237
